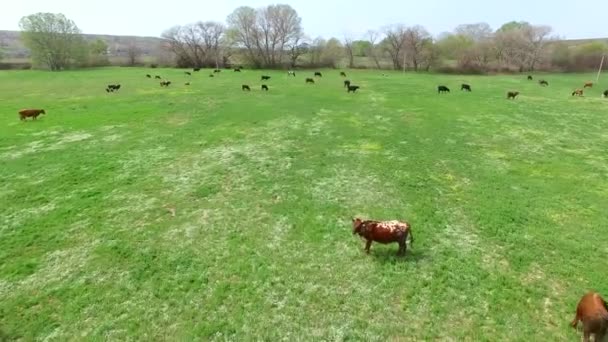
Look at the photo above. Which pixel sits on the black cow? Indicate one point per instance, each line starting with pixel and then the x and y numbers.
pixel 264 87
pixel 245 87
pixel 188 73
pixel 605 93
pixel 217 71
pixel 196 69
pixel 465 87
pixel 512 95
pixel 165 83
pixel 112 87
pixel 352 88
pixel 346 83
pixel 211 75
pixel 265 78
pixel 157 77
pixel 187 83
pixel 148 76
pixel 530 78
pixel 543 83
pixel 443 89
pixel 318 74
pixel 343 74
pixel 310 80
pixel 237 70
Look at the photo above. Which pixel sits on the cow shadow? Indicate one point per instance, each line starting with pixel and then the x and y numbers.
pixel 389 256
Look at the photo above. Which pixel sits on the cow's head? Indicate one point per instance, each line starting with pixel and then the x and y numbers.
pixel 357 226
pixel 42 112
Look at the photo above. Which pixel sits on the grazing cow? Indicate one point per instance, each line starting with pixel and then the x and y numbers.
pixel 318 74
pixel 245 87
pixel 352 88
pixel 187 83
pixel 33 113
pixel 165 83
pixel 237 69
pixel 530 78
pixel 465 87
pixel 149 76
pixel 216 71
pixel 578 92
pixel 605 93
pixel 157 77
pixel 264 87
pixel 211 75
pixel 543 83
pixel 188 73
pixel 343 74
pixel 592 311
pixel 346 83
pixel 310 80
pixel 196 69
pixel 291 73
pixel 512 95
pixel 112 87
pixel 588 85
pixel 265 78
pixel 443 89
pixel 384 232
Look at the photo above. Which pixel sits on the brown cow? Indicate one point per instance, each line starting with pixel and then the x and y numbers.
pixel 578 92
pixel 588 85
pixel 26 113
pixel 384 232
pixel 593 312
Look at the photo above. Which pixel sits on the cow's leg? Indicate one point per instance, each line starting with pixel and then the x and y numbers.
pixel 402 246
pixel 368 244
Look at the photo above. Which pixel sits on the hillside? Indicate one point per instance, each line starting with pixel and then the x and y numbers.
pixel 14 48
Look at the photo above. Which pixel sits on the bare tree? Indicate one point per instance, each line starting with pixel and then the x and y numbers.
pixel 133 52
pixel 296 49
pixel 196 45
pixel 536 39
pixel 477 32
pixel 265 33
pixel 394 44
pixel 316 51
pixel 372 37
pixel 415 38
pixel 211 40
pixel 349 49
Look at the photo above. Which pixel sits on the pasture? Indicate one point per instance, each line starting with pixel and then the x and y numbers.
pixel 206 212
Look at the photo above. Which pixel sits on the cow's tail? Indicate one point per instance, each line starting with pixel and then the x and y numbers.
pixel 411 236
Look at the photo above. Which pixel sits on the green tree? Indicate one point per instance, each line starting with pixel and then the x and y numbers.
pixel 54 40
pixel 561 55
pixel 98 52
pixel 513 25
pixel 361 48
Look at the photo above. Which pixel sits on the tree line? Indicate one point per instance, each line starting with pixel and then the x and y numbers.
pixel 272 37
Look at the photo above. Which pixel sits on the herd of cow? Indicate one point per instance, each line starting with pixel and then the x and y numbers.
pixel 592 310
pixel 511 95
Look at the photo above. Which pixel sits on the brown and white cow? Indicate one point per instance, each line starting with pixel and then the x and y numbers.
pixel 592 310
pixel 26 113
pixel 384 232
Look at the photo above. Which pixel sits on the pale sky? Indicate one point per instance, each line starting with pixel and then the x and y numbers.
pixel 327 18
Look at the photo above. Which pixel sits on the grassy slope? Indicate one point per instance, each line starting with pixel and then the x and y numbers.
pixel 507 201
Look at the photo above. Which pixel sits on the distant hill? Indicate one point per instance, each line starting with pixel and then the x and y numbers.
pixel 13 48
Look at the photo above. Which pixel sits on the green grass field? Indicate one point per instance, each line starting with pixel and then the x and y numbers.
pixel 507 200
